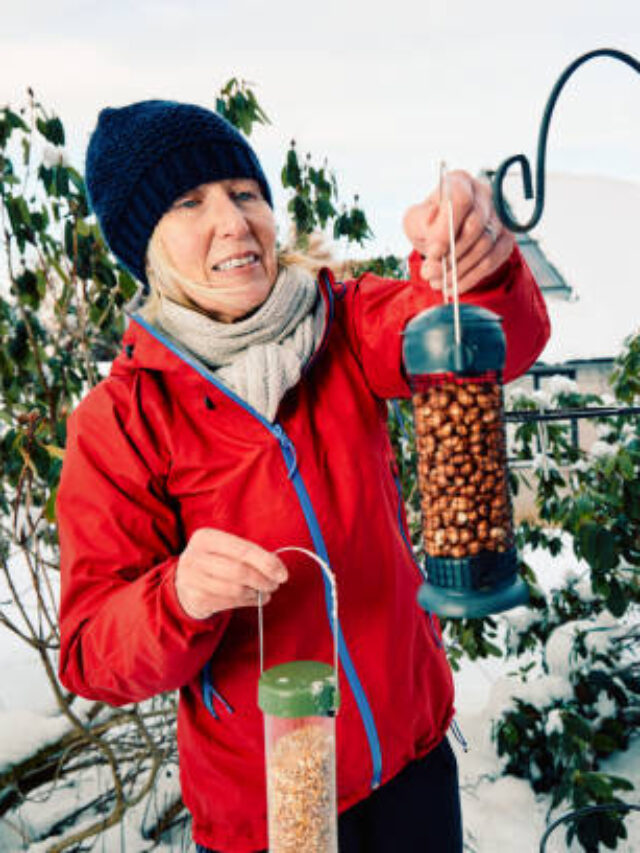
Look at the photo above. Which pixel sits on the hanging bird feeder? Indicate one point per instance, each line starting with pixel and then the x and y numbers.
pixel 453 356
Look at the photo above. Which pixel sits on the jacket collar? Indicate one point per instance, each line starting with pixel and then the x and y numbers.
pixel 142 349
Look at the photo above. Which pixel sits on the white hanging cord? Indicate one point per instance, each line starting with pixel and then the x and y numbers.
pixel 452 252
pixel 445 286
pixel 334 610
pixel 261 632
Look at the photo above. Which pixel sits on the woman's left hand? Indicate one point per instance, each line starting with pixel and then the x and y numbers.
pixel 482 242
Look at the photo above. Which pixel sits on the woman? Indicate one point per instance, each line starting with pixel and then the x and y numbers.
pixel 246 413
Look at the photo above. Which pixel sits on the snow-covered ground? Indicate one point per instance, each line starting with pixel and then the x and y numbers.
pixel 501 813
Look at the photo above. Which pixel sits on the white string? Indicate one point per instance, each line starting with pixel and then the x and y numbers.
pixel 261 632
pixel 334 598
pixel 454 266
pixel 445 286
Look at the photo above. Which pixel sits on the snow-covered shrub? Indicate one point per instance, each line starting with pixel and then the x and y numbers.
pixel 586 630
pixel 578 706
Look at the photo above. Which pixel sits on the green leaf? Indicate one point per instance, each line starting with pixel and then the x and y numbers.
pixel 617 599
pixel 302 214
pixel 492 649
pixel 15 121
pixel 620 783
pixel 127 284
pixel 577 726
pixel 598 547
pixel 605 744
pixel 609 830
pixel 41 459
pixel 325 210
pixel 291 174
pixel 50 506
pixel 51 129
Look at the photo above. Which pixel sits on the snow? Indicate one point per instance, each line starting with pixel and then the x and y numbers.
pixel 541 398
pixel 605 706
pixel 53 155
pixel 558 654
pixel 554 722
pixel 559 384
pixel 23 732
pixel 602 449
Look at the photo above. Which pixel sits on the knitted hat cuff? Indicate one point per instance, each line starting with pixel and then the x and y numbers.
pixel 178 171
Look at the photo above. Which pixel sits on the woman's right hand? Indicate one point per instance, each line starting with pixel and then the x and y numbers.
pixel 219 571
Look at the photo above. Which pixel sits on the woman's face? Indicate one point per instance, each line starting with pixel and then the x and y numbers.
pixel 223 235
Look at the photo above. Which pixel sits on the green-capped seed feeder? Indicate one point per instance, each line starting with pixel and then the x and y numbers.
pixel 300 700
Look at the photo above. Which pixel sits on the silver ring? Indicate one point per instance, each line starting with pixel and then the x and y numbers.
pixel 492 230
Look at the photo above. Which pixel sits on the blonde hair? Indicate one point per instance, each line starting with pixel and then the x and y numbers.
pixel 163 276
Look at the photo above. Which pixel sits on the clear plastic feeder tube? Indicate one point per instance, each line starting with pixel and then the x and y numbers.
pixel 301 784
pixel 462 471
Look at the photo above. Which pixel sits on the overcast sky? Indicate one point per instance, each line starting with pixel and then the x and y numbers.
pixel 383 91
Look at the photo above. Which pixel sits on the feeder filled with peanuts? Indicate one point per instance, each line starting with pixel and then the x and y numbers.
pixel 453 356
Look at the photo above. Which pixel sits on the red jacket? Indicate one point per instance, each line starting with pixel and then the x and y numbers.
pixel 160 448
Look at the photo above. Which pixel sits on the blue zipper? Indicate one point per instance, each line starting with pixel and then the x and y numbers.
pixel 288 451
pixel 362 702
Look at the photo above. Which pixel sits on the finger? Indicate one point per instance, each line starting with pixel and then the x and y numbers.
pixel 219 567
pixel 486 257
pixel 475 228
pixel 208 605
pixel 483 246
pixel 212 590
pixel 266 598
pixel 488 264
pixel 487 253
pixel 214 541
pixel 483 238
pixel 250 599
pixel 462 195
pixel 417 220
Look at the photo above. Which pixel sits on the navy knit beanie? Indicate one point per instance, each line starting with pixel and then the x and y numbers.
pixel 142 157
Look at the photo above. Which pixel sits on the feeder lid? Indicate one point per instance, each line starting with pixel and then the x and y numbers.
pixel 430 345
pixel 303 688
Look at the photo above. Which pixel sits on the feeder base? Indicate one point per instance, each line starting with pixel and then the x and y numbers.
pixel 472 604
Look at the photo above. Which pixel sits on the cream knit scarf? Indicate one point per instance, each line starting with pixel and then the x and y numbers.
pixel 261 357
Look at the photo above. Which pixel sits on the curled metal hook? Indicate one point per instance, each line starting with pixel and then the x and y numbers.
pixel 520 159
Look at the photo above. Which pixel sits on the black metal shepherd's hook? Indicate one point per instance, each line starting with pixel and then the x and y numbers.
pixel 499 176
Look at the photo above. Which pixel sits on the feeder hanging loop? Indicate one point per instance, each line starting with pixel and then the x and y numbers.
pixel 499 201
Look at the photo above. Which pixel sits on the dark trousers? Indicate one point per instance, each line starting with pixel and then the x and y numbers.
pixel 418 811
